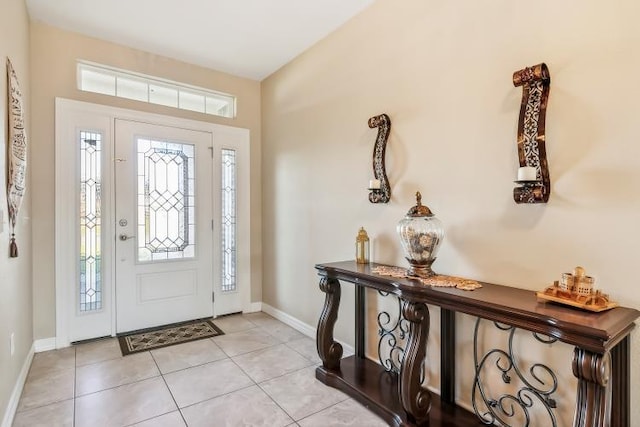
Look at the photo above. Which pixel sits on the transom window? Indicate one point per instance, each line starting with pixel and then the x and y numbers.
pixel 154 90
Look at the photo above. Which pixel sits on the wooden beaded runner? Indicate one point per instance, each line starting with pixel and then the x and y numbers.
pixel 438 280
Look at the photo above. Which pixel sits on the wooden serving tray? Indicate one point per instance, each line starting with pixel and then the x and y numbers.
pixel 572 303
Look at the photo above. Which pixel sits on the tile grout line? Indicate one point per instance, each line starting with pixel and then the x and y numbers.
pixel 247 352
pixel 277 404
pixel 269 331
pixel 190 367
pixel 314 361
pixel 168 389
pixel 54 402
pixel 306 416
pixel 214 397
pixel 266 394
pixel 121 385
pixel 330 406
pixel 220 395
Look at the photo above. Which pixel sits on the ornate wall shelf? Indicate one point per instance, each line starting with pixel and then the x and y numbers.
pixel 380 191
pixel 532 152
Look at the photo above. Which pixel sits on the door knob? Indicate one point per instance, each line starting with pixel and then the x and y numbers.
pixel 124 237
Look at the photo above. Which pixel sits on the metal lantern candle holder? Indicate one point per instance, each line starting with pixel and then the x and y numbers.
pixel 362 247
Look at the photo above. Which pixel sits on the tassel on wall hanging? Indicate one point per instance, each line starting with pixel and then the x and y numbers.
pixel 16 154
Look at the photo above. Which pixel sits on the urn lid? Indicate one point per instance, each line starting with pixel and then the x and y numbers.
pixel 419 210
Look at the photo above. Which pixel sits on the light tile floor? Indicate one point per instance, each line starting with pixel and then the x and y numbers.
pixel 260 373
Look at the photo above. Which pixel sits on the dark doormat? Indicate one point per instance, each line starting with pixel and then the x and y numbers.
pixel 164 336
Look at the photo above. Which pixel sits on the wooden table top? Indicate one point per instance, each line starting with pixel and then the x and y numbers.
pixel 597 332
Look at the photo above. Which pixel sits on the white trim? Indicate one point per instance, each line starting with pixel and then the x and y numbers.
pixel 288 319
pixel 44 344
pixel 12 406
pixel 253 307
pixel 299 325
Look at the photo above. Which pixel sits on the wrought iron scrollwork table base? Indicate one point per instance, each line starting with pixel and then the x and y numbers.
pixel 600 362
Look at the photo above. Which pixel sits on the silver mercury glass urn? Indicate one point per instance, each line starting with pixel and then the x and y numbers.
pixel 421 234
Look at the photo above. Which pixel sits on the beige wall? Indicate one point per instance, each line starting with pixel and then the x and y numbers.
pixel 15 273
pixel 442 71
pixel 54 53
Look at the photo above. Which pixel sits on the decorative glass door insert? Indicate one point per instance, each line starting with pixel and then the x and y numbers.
pixel 166 200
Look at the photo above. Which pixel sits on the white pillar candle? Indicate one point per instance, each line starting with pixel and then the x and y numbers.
pixel 374 184
pixel 527 173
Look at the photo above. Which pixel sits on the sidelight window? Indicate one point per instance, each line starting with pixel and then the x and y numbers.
pixel 229 217
pixel 90 297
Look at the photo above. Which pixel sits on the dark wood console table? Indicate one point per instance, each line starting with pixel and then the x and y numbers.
pixel 600 363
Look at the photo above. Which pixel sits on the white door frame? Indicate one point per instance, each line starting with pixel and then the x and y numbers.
pixel 64 107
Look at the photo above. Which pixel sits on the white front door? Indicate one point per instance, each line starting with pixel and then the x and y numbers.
pixel 164 236
pixel 180 200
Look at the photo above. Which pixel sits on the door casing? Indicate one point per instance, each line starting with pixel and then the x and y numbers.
pixel 65 272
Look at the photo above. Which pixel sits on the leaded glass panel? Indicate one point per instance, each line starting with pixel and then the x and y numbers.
pixel 228 204
pixel 90 294
pixel 166 200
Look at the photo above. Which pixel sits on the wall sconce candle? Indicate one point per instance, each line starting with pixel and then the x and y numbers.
pixel 527 173
pixel 533 173
pixel 380 191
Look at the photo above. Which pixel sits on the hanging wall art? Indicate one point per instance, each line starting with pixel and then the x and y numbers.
pixel 379 188
pixel 534 184
pixel 16 154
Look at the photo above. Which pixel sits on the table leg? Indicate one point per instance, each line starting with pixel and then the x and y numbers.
pixel 448 355
pixel 416 400
pixel 593 406
pixel 621 393
pixel 329 351
pixel 360 322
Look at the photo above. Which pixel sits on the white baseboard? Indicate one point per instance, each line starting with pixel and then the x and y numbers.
pixel 12 406
pixel 254 307
pixel 296 324
pixel 44 344
pixel 299 325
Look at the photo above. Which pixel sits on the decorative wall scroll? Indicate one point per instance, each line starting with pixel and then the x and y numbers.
pixel 380 191
pixel 16 154
pixel 531 134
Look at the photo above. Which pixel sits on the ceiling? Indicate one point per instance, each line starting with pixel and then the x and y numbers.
pixel 247 38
